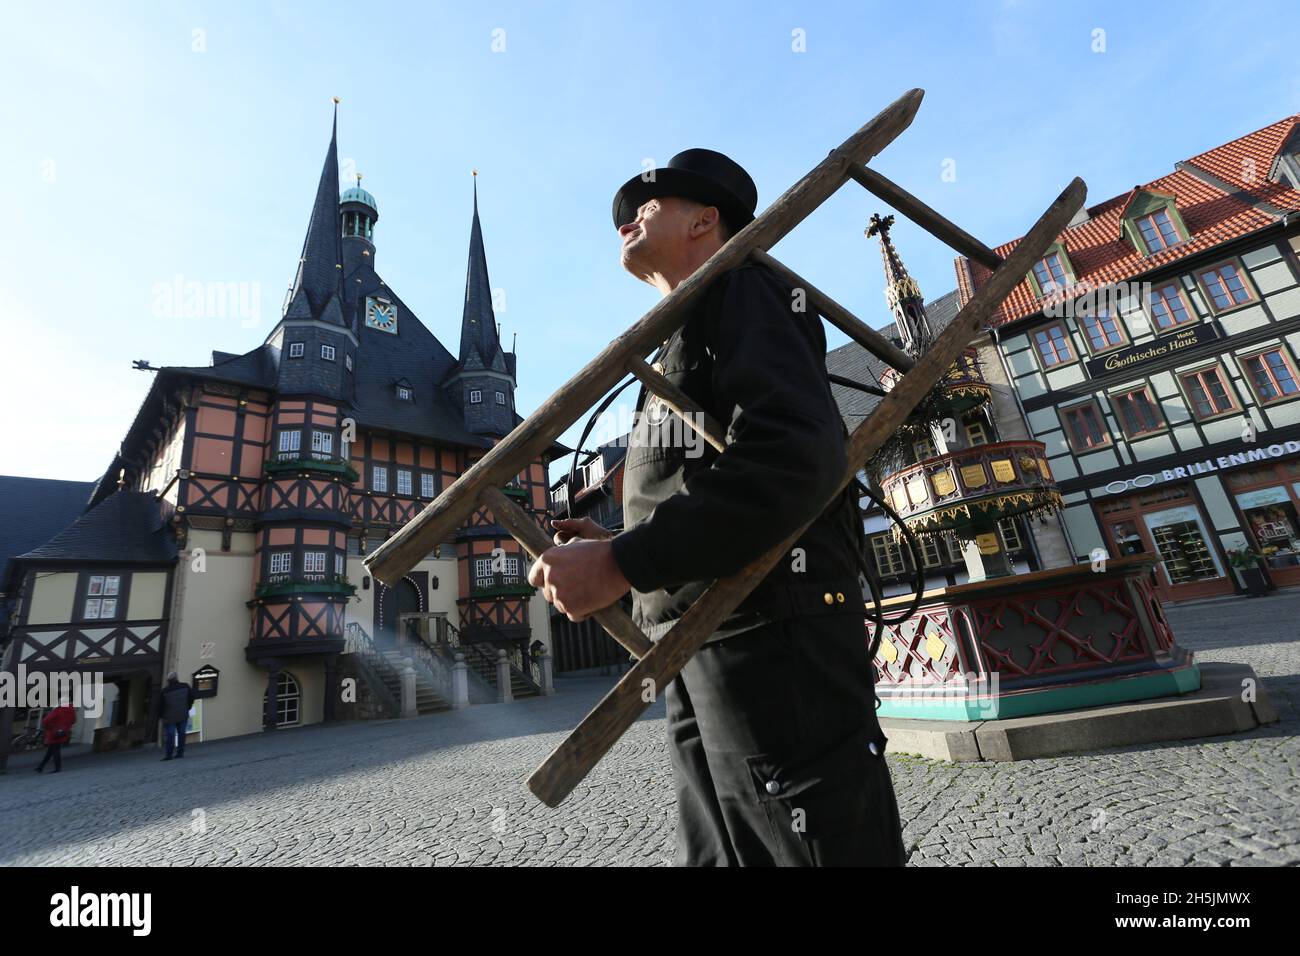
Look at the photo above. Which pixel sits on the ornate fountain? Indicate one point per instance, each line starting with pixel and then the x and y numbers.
pixel 1003 645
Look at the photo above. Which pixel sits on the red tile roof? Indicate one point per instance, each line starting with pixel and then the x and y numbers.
pixel 1099 253
pixel 1245 163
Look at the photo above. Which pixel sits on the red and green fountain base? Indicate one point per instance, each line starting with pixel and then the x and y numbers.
pixel 1032 644
pixel 1062 661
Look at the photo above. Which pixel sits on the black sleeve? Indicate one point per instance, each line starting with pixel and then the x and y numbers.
pixel 785 453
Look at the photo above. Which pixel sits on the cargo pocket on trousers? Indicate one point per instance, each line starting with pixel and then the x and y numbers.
pixel 823 809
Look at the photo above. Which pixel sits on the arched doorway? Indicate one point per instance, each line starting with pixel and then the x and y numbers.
pixel 404 597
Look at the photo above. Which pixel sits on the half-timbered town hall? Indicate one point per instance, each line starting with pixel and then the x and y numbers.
pixel 225 539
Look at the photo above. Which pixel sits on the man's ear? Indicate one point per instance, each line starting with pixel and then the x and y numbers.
pixel 707 218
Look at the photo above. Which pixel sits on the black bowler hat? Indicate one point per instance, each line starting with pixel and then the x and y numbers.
pixel 699 174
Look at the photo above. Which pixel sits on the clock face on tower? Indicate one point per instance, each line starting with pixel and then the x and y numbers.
pixel 381 315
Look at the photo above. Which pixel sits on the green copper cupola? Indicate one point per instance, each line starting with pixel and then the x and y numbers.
pixel 359 213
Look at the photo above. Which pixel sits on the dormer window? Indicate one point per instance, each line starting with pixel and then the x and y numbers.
pixel 1286 165
pixel 1151 222
pixel 1053 272
pixel 405 394
pixel 295 349
pixel 1050 273
pixel 1158 231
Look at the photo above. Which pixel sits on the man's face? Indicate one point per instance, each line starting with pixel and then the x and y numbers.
pixel 658 235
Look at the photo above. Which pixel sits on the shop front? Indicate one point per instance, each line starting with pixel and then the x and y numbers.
pixel 1168 523
pixel 1268 500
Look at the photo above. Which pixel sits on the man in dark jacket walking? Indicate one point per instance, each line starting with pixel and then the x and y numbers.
pixel 177 698
pixel 777 753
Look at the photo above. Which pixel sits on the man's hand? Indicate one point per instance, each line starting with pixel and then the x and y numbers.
pixel 568 529
pixel 579 578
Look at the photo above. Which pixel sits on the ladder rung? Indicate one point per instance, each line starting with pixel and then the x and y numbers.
pixel 840 317
pixel 925 217
pixel 672 396
pixel 526 531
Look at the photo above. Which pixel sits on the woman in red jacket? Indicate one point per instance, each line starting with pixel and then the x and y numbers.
pixel 58 731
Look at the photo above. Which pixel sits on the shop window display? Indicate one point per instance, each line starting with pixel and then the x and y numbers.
pixel 1182 543
pixel 1271 516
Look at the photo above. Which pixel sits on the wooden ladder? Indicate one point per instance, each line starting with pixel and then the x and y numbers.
pixel 480 486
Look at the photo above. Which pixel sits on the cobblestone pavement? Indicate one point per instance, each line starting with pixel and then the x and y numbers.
pixel 448 789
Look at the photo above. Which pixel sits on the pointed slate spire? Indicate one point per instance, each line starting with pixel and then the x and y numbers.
pixel 901 291
pixel 317 291
pixel 479 345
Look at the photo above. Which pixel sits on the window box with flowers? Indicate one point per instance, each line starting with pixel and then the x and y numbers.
pixel 334 584
pixel 331 466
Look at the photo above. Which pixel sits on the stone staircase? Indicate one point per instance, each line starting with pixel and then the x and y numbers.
pixel 482 660
pixel 428 697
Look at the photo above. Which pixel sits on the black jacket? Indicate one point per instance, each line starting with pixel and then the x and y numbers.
pixel 693 515
pixel 177 699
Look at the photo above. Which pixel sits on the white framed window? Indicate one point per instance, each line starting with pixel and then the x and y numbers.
pixel 403 393
pixel 322 442
pixel 475 396
pixel 102 592
pixel 378 478
pixel 889 556
pixel 482 572
pixel 327 352
pixel 403 481
pixel 426 485
pixel 289 440
pixel 295 349
pixel 281 562
pixel 313 562
pixel 340 564
pixel 511 569
pixel 501 398
pixel 347 362
pixel 288 701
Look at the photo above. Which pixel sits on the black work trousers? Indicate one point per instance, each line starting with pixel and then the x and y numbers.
pixel 777 754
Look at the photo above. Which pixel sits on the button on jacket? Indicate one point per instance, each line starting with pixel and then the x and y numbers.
pixel 692 514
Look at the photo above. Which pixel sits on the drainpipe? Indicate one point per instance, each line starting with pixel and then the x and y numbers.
pixel 1011 384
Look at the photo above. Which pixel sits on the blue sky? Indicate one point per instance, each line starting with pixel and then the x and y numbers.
pixel 149 141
